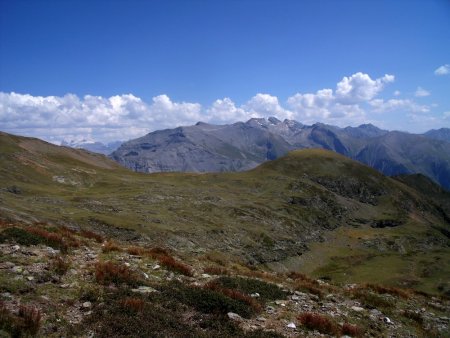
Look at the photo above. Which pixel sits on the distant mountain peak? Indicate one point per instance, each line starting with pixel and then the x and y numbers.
pixel 274 120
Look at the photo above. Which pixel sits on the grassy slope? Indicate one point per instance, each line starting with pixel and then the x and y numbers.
pixel 272 213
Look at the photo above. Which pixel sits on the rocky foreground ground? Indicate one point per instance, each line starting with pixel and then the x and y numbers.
pixel 62 282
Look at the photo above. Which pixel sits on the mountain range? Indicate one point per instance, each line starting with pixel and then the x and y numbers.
pixel 94 146
pixel 244 145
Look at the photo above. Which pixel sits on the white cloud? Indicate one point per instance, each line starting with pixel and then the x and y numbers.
pixel 265 105
pixel 420 92
pixel 397 93
pixel 119 117
pixel 382 106
pixel 360 88
pixel 225 110
pixel 126 116
pixel 344 106
pixel 443 70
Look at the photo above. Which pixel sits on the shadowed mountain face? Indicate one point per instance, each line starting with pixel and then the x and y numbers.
pixel 202 148
pixel 442 134
pixel 241 146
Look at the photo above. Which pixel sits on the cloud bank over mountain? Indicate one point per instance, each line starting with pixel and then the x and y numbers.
pixel 54 118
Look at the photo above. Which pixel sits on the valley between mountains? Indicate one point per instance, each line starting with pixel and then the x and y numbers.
pixel 311 238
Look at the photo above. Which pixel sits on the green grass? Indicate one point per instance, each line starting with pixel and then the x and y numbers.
pixel 249 215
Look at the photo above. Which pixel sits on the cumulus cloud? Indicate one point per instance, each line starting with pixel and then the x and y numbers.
pixel 344 105
pixel 122 117
pixel 382 106
pixel 265 105
pixel 225 110
pixel 420 92
pixel 442 70
pixel 360 88
pixel 91 117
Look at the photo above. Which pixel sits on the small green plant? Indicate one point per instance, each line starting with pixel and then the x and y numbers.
pixel 60 265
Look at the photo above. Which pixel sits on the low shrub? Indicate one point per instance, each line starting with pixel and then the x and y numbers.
pixel 372 300
pixel 308 286
pixel 30 319
pixel 304 283
pixel 351 330
pixel 134 304
pixel 389 290
pixel 267 291
pixel 60 265
pixel 207 300
pixel 235 294
pixel 316 321
pixel 110 246
pixel 91 235
pixel 51 239
pixel 170 263
pixel 416 316
pixel 136 251
pixel 19 236
pixel 216 270
pixel 25 324
pixel 35 235
pixel 114 273
pixel 157 252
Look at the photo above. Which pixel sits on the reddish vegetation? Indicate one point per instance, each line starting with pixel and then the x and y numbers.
pixel 172 264
pixel 302 282
pixel 136 251
pixel 157 251
pixel 91 235
pixel 215 286
pixel 216 271
pixel 111 246
pixel 31 319
pixel 351 330
pixel 109 272
pixel 26 323
pixel 134 304
pixel 315 321
pixel 389 290
pixel 52 238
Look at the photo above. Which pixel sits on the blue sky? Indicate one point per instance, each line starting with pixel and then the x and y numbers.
pixel 105 70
